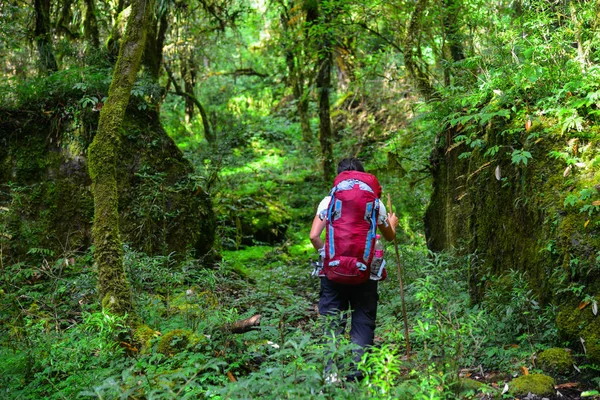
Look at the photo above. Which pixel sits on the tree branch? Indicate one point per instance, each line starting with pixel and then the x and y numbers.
pixel 380 36
pixel 207 132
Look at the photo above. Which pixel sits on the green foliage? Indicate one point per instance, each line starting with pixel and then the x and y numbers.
pixel 520 157
pixel 517 79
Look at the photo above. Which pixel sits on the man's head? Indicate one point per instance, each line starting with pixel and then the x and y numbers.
pixel 350 164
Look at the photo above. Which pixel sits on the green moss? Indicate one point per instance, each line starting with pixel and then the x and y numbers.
pixel 575 324
pixel 176 341
pixel 142 337
pixel 555 360
pixel 538 384
pixel 256 217
pixel 519 222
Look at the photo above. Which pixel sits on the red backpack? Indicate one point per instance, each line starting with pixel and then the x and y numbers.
pixel 351 227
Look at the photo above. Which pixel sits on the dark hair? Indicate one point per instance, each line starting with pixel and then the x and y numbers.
pixel 350 164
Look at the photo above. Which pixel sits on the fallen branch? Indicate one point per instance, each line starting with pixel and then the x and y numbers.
pixel 243 325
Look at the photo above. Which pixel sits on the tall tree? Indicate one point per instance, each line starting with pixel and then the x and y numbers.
pixel 318 17
pixel 113 287
pixel 295 57
pixel 412 49
pixel 43 38
pixel 155 39
pixel 453 47
pixel 90 24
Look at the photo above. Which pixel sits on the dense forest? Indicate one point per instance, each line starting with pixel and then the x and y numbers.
pixel 161 163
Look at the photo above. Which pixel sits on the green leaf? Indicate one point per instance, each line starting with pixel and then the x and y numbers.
pixel 590 393
pixel 520 157
pixel 571 200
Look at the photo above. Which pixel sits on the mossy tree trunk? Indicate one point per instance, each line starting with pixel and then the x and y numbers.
pixel 453 49
pixel 324 60
pixel 294 55
pixel 188 73
pixel 113 287
pixel 411 44
pixel 43 40
pixel 155 39
pixel 90 25
pixel 63 22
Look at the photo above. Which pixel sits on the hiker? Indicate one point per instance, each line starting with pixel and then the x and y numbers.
pixel 346 280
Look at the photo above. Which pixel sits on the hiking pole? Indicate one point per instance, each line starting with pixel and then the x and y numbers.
pixel 389 204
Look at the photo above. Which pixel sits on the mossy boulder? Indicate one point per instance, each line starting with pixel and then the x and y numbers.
pixel 538 384
pixel 535 218
pixel 255 218
pixel 555 361
pixel 142 337
pixel 45 188
pixel 176 341
pixel 576 323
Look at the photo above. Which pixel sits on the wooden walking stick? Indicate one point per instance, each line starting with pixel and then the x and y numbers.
pixel 389 204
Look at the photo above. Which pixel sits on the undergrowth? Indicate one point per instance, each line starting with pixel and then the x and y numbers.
pixel 58 343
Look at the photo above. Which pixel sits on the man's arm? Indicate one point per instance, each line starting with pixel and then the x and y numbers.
pixel 315 232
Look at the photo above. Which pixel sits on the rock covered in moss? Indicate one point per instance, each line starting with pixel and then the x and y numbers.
pixel 142 336
pixel 541 234
pixel 555 360
pixel 176 341
pixel 161 208
pixel 574 323
pixel 255 217
pixel 538 384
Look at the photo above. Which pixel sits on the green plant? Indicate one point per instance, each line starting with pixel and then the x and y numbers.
pixel 520 157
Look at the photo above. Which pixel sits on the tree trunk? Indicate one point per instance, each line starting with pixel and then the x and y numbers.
pixel 325 134
pixel 453 48
pixel 64 20
pixel 411 52
pixel 307 134
pixel 324 61
pixel 153 53
pixel 90 25
pixel 113 287
pixel 188 73
pixel 43 39
pixel 296 76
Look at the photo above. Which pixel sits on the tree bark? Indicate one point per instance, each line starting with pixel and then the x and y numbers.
pixel 453 48
pixel 90 25
pixel 113 287
pixel 411 52
pixel 153 53
pixel 296 75
pixel 188 73
pixel 43 39
pixel 64 20
pixel 323 82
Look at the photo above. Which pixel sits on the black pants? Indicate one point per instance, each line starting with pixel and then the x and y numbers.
pixel 336 299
